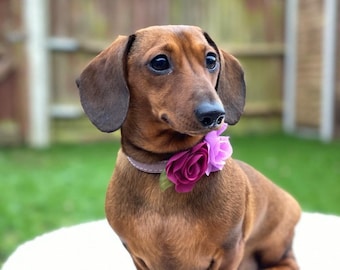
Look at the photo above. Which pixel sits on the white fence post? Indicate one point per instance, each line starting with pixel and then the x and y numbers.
pixel 290 60
pixel 37 25
pixel 328 70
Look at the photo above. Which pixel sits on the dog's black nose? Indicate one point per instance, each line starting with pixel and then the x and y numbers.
pixel 210 114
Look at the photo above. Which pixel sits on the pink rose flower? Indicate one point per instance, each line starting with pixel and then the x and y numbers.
pixel 186 168
pixel 219 148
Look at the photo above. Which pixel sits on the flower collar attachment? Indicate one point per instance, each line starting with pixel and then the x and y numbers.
pixel 185 168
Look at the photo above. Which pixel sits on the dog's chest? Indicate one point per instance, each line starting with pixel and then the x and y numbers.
pixel 196 224
pixel 177 234
pixel 137 203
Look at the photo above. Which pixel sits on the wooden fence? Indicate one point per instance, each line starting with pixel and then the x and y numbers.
pixel 252 30
pixel 12 93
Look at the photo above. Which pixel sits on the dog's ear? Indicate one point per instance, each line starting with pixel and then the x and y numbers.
pixel 103 90
pixel 230 86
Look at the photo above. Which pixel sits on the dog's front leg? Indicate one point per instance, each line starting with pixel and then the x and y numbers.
pixel 288 262
pixel 139 263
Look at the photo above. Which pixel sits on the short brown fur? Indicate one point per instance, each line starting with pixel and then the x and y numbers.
pixel 233 219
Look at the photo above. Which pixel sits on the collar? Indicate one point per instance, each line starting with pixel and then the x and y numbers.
pixel 185 168
pixel 157 167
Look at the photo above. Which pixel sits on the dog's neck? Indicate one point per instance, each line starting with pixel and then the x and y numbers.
pixel 186 167
pixel 146 152
pixel 140 154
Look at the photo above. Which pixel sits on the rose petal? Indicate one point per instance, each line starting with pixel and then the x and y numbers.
pixel 193 172
pixel 219 149
pixel 224 126
pixel 184 188
pixel 186 168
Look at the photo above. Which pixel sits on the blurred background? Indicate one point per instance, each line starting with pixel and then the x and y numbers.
pixel 55 166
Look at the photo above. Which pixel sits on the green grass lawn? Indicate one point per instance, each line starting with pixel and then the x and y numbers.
pixel 42 190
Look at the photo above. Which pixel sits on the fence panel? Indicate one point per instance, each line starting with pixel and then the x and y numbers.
pixel 12 77
pixel 252 30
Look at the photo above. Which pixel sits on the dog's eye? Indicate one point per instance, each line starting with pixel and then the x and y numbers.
pixel 160 63
pixel 211 61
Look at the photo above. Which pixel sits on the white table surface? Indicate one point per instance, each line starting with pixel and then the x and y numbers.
pixel 94 245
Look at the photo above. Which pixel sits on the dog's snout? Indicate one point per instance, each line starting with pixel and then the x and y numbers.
pixel 210 114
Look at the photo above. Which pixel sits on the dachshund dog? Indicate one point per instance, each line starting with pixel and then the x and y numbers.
pixel 166 88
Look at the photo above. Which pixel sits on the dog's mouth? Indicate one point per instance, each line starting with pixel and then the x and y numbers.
pixel 192 128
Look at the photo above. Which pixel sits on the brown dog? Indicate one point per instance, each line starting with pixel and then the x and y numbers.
pixel 166 87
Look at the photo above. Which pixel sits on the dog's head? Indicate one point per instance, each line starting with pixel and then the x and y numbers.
pixel 168 78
